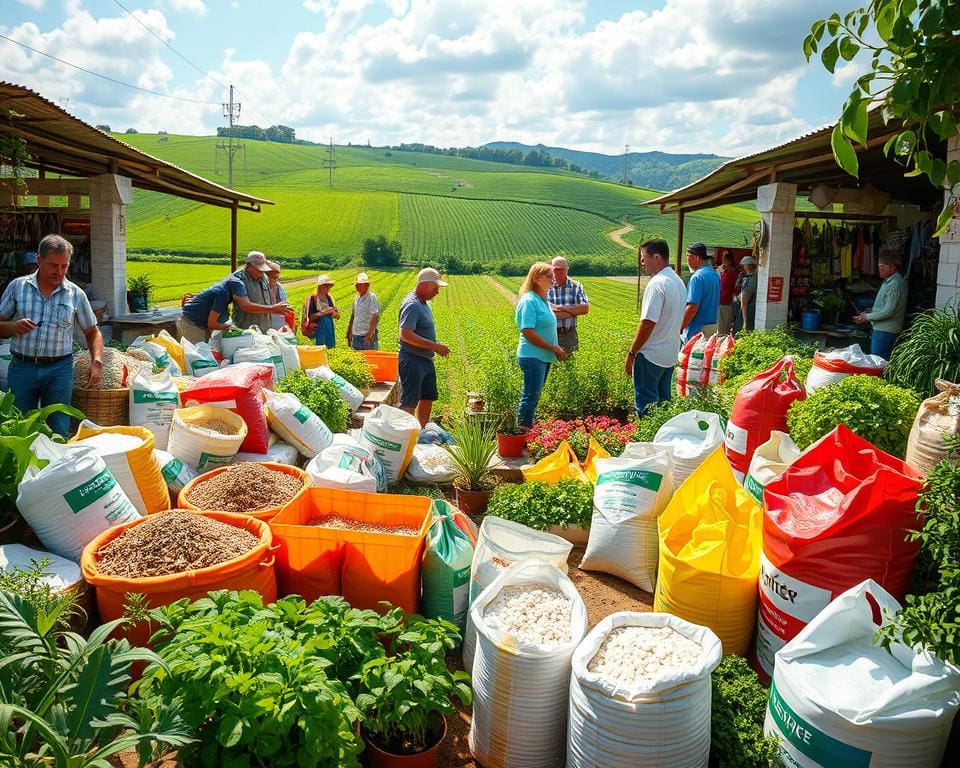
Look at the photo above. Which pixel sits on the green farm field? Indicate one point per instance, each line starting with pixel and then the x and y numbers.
pixel 436 206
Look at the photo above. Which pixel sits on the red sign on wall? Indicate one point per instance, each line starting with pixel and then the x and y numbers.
pixel 775 289
pixel 75 226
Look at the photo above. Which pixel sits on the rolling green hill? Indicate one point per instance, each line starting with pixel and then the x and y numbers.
pixel 436 206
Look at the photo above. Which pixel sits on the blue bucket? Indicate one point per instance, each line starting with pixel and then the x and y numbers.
pixel 810 321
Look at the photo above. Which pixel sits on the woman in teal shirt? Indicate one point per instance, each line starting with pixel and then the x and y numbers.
pixel 538 338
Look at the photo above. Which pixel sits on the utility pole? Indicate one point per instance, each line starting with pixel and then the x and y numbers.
pixel 231 111
pixel 626 151
pixel 330 161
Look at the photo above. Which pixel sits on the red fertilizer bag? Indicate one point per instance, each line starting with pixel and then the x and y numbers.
pixel 839 515
pixel 761 407
pixel 238 388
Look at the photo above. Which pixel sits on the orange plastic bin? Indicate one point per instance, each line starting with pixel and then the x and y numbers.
pixel 363 567
pixel 383 365
pixel 260 514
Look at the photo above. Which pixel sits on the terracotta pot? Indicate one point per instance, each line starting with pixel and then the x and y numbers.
pixel 511 446
pixel 472 502
pixel 379 758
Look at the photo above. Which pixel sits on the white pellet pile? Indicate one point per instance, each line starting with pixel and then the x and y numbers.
pixel 534 613
pixel 631 655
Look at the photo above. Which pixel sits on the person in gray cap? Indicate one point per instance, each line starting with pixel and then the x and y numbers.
pixel 568 301
pixel 746 298
pixel 418 344
pixel 364 316
pixel 257 287
pixel 703 294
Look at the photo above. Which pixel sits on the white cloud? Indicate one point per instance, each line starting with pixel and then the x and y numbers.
pixel 35 4
pixel 188 6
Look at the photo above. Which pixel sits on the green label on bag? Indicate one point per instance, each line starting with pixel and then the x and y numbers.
pixel 84 495
pixel 199 365
pixel 349 461
pixel 753 488
pixel 461 577
pixel 639 477
pixel 212 460
pixel 302 414
pixel 816 745
pixel 379 441
pixel 171 470
pixel 141 396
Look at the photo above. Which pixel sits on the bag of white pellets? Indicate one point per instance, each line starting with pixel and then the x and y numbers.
pixel 769 461
pixel 199 359
pixel 529 621
pixel 430 464
pixel 153 399
pixel 630 494
pixel 296 423
pixel 839 699
pixel 640 693
pixel 71 498
pixel 348 392
pixel 692 436
pixel 175 472
pixel 347 464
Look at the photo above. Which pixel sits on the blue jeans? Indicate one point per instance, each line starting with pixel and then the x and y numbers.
pixel 359 342
pixel 36 386
pixel 325 335
pixel 534 377
pixel 881 343
pixel 651 384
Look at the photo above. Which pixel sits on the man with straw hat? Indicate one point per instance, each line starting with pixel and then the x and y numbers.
pixel 364 316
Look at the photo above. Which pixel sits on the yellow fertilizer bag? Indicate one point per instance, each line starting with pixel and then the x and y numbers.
pixel 710 535
pixel 173 347
pixel 552 469
pixel 594 452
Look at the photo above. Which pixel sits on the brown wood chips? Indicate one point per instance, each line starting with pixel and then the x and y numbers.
pixel 245 487
pixel 173 542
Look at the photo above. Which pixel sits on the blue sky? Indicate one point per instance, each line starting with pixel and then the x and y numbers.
pixel 721 76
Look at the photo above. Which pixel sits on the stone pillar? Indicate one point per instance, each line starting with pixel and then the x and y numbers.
pixel 109 194
pixel 948 272
pixel 776 204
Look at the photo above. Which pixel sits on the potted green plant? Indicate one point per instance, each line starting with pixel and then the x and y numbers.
pixel 829 302
pixel 405 695
pixel 511 437
pixel 138 292
pixel 472 455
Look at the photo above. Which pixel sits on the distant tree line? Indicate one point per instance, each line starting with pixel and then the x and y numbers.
pixel 535 158
pixel 281 134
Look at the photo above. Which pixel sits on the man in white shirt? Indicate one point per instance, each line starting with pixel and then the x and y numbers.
pixel 364 317
pixel 653 354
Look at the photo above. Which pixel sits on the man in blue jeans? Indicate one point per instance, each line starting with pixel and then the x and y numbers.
pixel 39 311
pixel 890 307
pixel 653 354
pixel 418 344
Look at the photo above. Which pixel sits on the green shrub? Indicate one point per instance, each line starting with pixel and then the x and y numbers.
pixel 927 351
pixel 649 424
pixel 321 397
pixel 539 505
pixel 877 411
pixel 755 351
pixel 736 721
pixel 351 365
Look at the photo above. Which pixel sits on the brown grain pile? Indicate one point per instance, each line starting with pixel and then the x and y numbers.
pixel 245 487
pixel 336 521
pixel 173 542
pixel 215 425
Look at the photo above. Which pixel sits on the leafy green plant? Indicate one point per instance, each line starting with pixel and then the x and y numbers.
pixel 140 285
pixel 351 365
pixel 321 397
pixel 28 582
pixel 877 411
pixel 736 720
pixel 405 488
pixel 928 350
pixel 265 685
pixel 500 381
pixel 755 351
pixel 63 700
pixel 649 424
pixel 539 505
pixel 403 694
pixel 475 446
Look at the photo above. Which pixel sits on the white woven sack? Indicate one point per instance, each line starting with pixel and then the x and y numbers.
pixel 286 343
pixel 628 498
pixel 520 690
pixel 229 341
pixel 198 358
pixel 839 699
pixel 296 424
pixel 161 357
pixel 391 435
pixel 352 395
pixel 266 354
pixel 836 364
pixel 693 436
pixel 279 452
pixel 71 499
pixel 153 399
pixel 175 472
pixel 5 357
pixel 500 544
pixel 663 721
pixel 770 460
pixel 59 574
pixel 347 464
pixel 430 464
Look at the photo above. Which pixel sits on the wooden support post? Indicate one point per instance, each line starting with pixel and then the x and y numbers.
pixel 679 252
pixel 233 237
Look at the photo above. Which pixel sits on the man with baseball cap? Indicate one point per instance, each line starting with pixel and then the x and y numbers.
pixel 364 316
pixel 418 344
pixel 254 279
pixel 568 301
pixel 745 299
pixel 703 294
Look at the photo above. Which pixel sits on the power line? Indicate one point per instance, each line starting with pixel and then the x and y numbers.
pixel 106 77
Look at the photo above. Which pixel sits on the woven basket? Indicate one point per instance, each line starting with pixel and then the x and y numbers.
pixel 104 407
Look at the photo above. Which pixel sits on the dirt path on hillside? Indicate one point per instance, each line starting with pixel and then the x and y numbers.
pixel 502 289
pixel 617 235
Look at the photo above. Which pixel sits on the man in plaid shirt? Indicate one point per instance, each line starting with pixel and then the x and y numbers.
pixel 39 312
pixel 568 301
